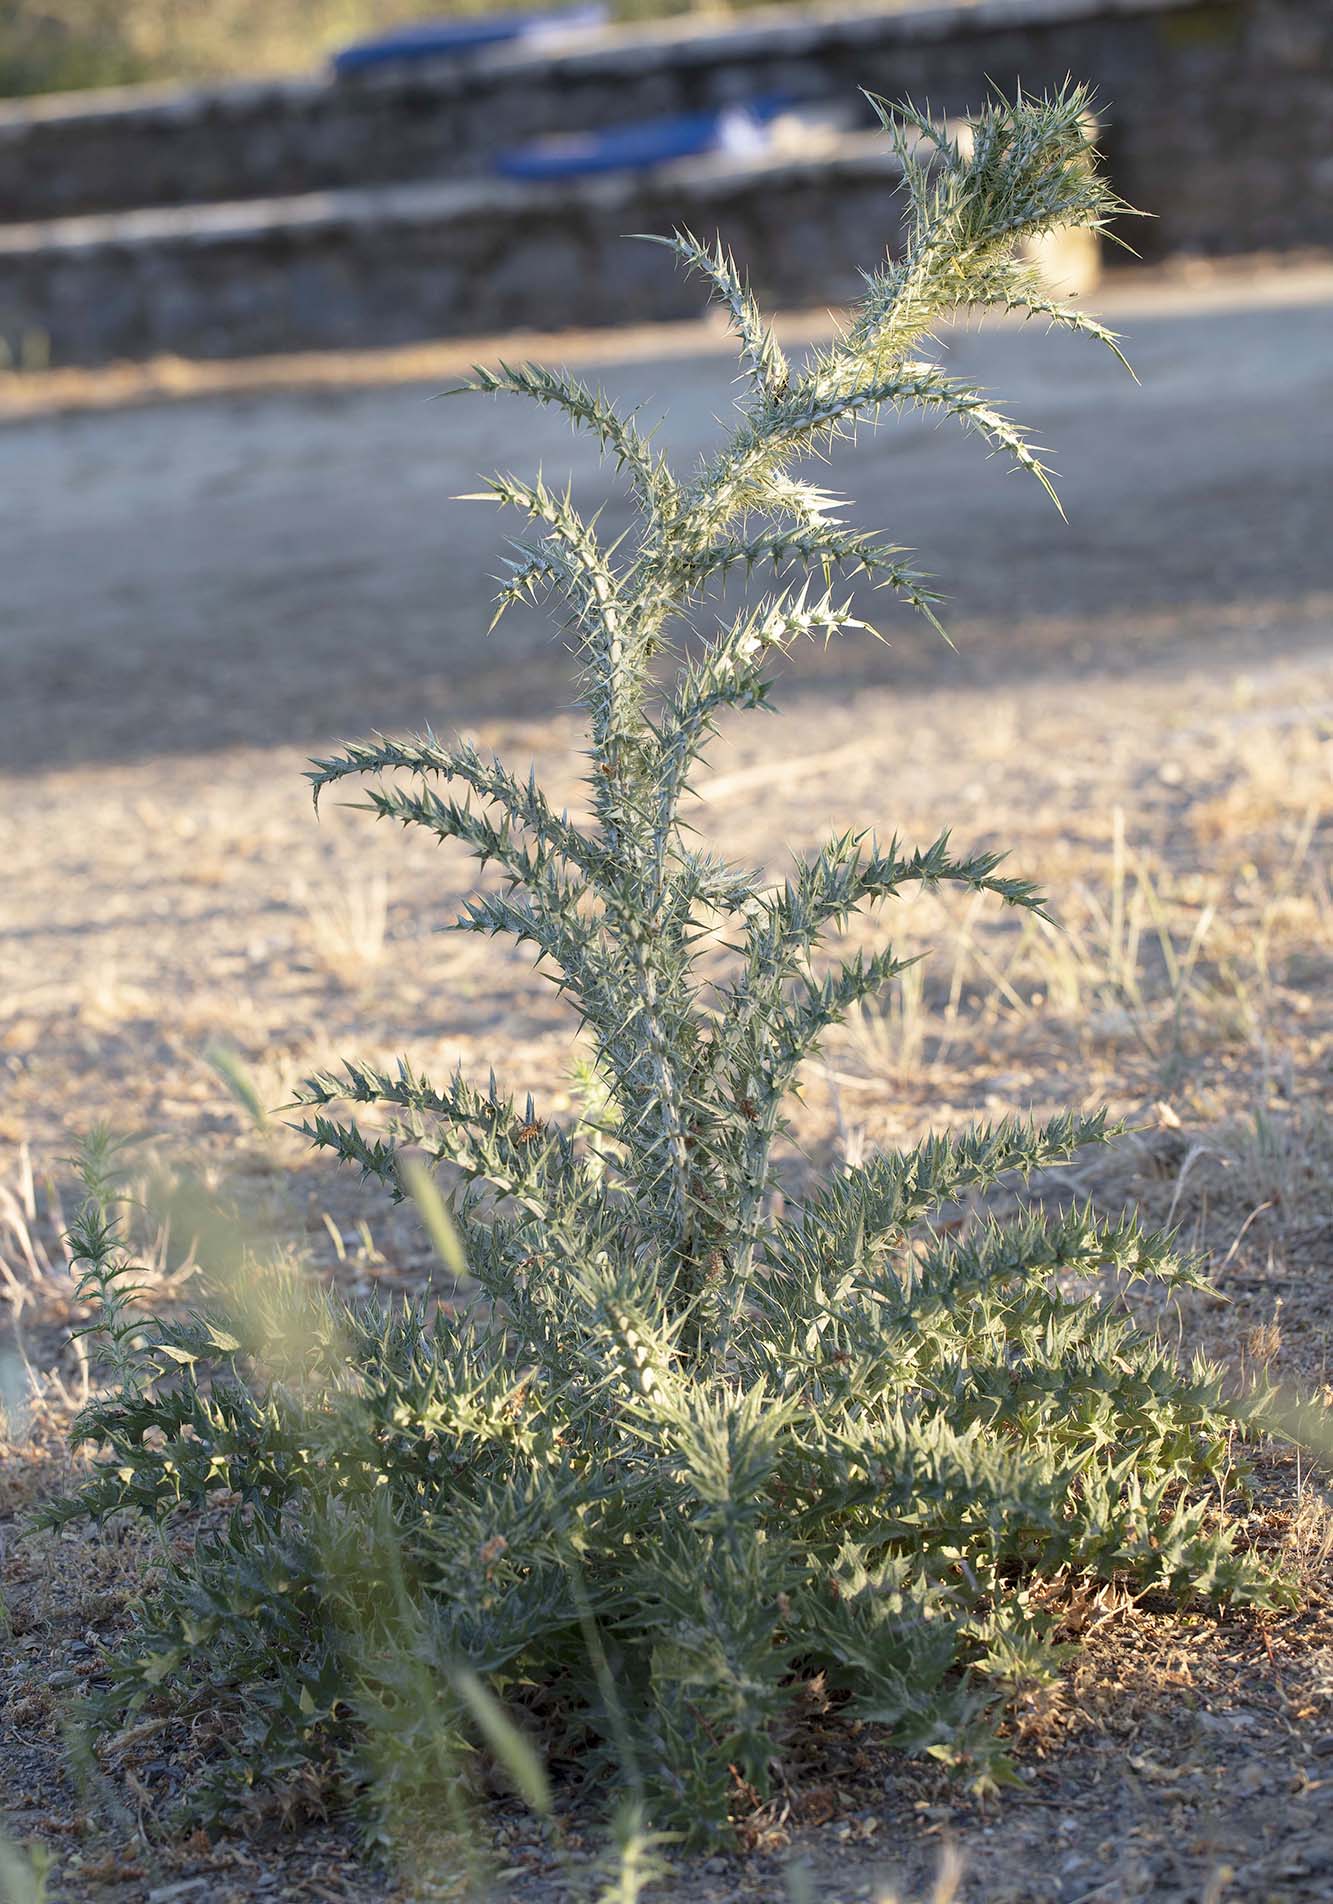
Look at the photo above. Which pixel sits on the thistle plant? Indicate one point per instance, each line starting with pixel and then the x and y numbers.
pixel 106 1275
pixel 689 1449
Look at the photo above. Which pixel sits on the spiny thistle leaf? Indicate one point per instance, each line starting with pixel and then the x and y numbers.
pixel 760 351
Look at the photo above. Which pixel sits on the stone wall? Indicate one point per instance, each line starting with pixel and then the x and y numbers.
pixel 1218 113
pixel 401 263
pixel 1217 117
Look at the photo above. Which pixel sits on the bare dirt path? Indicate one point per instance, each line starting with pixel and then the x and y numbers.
pixel 271 569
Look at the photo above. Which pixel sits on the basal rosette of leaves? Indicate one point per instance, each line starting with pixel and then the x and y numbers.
pixel 689 1452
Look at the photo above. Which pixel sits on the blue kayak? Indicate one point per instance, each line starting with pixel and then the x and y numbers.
pixel 450 39
pixel 685 135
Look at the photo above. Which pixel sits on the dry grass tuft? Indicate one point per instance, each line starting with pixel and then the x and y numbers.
pixel 1307 1544
pixel 347 924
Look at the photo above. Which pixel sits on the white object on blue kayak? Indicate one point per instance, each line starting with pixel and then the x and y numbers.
pixel 737 130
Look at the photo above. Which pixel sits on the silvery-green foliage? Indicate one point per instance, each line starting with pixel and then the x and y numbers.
pixel 689 1452
pixel 107 1277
